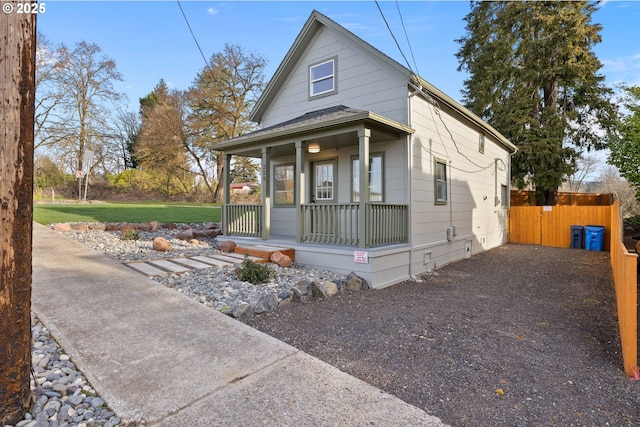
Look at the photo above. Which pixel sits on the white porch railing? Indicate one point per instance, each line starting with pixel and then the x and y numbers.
pixel 243 220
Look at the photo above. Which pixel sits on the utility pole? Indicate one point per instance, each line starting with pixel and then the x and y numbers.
pixel 17 106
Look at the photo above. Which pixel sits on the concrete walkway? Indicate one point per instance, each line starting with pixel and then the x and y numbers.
pixel 156 354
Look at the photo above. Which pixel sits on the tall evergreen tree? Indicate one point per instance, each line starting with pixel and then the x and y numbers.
pixel 244 169
pixel 534 77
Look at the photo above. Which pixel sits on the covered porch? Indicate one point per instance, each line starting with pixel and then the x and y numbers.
pixel 335 224
pixel 320 183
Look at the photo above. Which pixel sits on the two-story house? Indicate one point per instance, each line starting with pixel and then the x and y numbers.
pixel 367 167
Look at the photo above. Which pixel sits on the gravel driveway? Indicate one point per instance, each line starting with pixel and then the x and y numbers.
pixel 519 335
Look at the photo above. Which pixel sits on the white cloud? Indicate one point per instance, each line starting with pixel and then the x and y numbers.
pixel 623 69
pixel 212 11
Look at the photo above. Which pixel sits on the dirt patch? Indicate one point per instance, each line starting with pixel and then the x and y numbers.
pixel 520 335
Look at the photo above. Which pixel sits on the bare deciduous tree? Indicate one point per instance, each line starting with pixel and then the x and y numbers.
pixel 221 98
pixel 609 181
pixel 85 79
pixel 586 166
pixel 48 96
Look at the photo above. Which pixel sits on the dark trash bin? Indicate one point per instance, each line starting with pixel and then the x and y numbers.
pixel 577 237
pixel 594 237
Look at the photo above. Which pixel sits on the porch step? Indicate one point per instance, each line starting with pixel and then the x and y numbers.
pixel 264 251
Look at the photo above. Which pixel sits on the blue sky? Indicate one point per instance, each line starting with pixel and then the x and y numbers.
pixel 150 40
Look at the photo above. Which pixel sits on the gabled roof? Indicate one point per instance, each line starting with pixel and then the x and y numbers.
pixel 316 21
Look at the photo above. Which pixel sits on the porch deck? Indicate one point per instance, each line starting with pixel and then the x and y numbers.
pixel 380 266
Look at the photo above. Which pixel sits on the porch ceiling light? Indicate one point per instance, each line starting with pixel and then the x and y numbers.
pixel 314 148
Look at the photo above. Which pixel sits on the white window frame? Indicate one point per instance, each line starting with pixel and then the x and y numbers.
pixel 276 200
pixel 323 78
pixel 440 182
pixel 324 193
pixel 355 177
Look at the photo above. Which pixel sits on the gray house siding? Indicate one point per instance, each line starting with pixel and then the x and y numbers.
pixel 363 83
pixel 475 182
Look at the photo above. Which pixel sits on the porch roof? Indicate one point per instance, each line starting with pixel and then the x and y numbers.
pixel 339 118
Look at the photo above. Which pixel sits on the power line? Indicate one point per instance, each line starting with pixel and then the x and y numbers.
pixel 392 36
pixel 407 37
pixel 192 34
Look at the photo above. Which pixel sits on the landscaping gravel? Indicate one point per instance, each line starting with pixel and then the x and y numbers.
pixel 520 335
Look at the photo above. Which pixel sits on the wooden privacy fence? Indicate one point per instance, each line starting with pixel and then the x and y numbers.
pixel 528 198
pixel 551 226
pixel 625 277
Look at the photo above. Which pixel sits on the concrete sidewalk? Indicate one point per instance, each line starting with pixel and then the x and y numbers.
pixel 152 352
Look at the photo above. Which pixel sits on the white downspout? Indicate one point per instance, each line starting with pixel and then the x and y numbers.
pixel 409 139
pixel 449 180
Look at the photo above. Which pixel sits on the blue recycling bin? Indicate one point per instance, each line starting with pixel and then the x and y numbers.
pixel 594 237
pixel 577 237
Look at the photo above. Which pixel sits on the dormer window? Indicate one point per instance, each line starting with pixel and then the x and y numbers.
pixel 322 78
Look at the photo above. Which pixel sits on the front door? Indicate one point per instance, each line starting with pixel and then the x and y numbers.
pixel 323 183
pixel 323 193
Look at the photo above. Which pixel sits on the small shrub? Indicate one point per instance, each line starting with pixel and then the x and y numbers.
pixel 253 272
pixel 130 234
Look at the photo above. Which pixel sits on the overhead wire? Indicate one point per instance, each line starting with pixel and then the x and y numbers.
pixel 431 100
pixel 436 108
pixel 393 36
pixel 192 33
pixel 407 37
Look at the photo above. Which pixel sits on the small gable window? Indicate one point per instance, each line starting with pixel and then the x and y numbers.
pixel 322 78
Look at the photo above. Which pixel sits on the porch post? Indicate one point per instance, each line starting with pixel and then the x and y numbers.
pixel 266 193
pixel 300 189
pixel 226 192
pixel 363 138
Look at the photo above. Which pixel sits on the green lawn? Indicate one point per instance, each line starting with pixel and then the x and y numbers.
pixel 125 212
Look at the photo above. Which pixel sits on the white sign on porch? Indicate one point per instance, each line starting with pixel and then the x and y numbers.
pixel 361 257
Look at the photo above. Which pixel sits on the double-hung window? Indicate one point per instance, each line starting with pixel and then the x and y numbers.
pixel 375 178
pixel 284 185
pixel 441 182
pixel 322 78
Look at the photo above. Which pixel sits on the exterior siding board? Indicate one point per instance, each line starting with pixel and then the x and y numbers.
pixel 363 83
pixel 281 222
pixel 474 183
